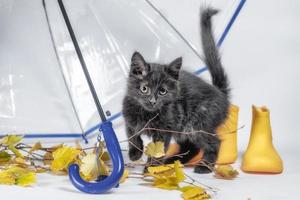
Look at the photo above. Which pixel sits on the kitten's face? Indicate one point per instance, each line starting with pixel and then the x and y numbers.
pixel 153 85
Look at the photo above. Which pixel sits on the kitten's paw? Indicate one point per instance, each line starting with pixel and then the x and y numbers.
pixel 135 154
pixel 202 170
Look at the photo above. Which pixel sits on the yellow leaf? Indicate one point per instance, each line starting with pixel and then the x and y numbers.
pixel 26 179
pixel 155 150
pixel 4 157
pixel 15 151
pixel 104 169
pixel 225 172
pixel 18 176
pixel 179 171
pixel 6 178
pixel 163 170
pixel 62 157
pixel 186 188
pixel 167 183
pixel 124 176
pixel 23 177
pixel 89 167
pixel 167 176
pixel 11 139
pixel 167 170
pixel 37 146
pixel 105 156
pixel 194 193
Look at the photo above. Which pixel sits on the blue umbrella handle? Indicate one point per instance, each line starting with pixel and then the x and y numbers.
pixel 116 157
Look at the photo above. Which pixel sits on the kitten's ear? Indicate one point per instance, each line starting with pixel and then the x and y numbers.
pixel 138 67
pixel 174 67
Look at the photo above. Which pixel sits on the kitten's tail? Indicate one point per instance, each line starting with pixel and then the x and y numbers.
pixel 211 53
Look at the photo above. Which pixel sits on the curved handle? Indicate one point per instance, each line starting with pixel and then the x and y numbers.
pixel 115 153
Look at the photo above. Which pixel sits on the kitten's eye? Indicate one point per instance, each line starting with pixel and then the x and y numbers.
pixel 144 89
pixel 163 91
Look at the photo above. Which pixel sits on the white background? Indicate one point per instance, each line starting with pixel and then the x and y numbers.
pixel 261 55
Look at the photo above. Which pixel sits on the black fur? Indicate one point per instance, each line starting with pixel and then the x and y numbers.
pixel 212 57
pixel 190 104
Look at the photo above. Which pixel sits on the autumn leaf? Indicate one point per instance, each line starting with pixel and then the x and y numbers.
pixel 167 183
pixel 18 176
pixel 62 157
pixel 161 170
pixel 37 146
pixel 194 193
pixel 48 158
pixel 124 176
pixel 15 151
pixel 89 167
pixel 6 178
pixel 179 171
pixel 104 169
pixel 225 172
pixel 105 156
pixel 4 157
pixel 23 177
pixel 165 170
pixel 155 150
pixel 167 176
pixel 20 162
pixel 10 140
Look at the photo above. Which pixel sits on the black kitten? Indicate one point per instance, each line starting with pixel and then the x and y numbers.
pixel 183 102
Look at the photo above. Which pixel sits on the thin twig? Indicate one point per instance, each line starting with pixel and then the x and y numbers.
pixel 186 175
pixel 179 132
pixel 141 130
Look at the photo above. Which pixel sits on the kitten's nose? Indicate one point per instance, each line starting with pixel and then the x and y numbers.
pixel 152 101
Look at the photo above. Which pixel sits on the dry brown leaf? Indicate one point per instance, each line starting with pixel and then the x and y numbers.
pixel 225 172
pixel 37 146
pixel 48 158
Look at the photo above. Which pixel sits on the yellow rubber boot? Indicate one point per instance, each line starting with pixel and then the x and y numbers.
pixel 227 133
pixel 261 156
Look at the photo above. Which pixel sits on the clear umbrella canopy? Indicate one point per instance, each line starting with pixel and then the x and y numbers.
pixel 43 90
